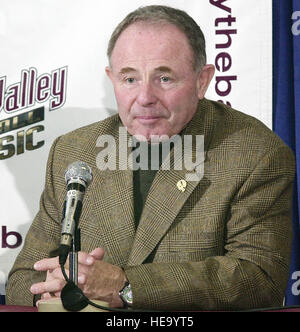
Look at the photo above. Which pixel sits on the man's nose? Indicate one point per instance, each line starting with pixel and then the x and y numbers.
pixel 146 96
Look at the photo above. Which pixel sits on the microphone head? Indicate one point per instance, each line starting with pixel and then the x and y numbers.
pixel 79 170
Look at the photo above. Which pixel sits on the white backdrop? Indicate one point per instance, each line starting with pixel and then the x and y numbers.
pixel 39 37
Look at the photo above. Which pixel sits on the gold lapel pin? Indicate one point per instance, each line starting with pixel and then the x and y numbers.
pixel 181 185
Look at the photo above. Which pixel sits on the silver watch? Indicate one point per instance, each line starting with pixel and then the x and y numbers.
pixel 126 295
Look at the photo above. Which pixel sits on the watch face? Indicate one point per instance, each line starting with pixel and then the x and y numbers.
pixel 127 295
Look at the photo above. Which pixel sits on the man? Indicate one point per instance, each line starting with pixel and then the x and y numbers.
pixel 220 242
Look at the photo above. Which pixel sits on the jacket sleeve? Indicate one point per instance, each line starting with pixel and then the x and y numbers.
pixel 41 240
pixel 254 269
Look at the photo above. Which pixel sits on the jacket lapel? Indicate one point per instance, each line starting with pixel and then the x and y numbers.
pixel 112 207
pixel 169 192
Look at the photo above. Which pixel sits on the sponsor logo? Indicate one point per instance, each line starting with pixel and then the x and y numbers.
pixel 225 32
pixel 22 109
pixel 33 89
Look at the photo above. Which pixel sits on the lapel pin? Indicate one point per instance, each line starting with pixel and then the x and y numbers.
pixel 181 185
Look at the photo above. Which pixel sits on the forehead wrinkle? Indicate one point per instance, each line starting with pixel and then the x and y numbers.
pixel 160 69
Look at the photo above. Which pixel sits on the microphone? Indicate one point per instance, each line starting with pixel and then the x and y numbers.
pixel 77 176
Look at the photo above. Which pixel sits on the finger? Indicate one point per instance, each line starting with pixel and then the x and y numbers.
pixel 53 286
pixel 82 279
pixel 97 253
pixel 89 259
pixel 85 258
pixel 46 264
pixel 45 296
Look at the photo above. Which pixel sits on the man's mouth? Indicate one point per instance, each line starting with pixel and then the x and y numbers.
pixel 148 119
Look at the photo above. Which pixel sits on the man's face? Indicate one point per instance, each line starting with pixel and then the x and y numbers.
pixel 156 86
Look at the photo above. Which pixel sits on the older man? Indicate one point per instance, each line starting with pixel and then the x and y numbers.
pixel 151 239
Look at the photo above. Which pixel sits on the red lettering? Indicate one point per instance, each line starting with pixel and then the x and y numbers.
pixel 219 4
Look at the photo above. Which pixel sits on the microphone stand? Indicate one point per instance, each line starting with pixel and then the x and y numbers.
pixel 73 258
pixel 72 297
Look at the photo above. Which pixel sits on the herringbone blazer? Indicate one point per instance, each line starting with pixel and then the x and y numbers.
pixel 222 243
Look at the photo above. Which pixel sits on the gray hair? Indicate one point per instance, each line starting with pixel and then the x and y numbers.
pixel 164 14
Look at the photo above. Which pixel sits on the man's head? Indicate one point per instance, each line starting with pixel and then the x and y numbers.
pixel 158 69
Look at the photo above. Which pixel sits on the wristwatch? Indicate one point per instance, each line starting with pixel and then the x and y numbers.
pixel 126 295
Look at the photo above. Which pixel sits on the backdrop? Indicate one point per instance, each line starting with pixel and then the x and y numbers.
pixel 286 111
pixel 52 80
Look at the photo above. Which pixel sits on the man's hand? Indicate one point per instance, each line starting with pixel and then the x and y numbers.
pixel 98 280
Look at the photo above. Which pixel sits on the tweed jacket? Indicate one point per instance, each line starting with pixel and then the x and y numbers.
pixel 222 243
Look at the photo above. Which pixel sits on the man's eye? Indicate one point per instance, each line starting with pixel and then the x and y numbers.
pixel 130 80
pixel 165 79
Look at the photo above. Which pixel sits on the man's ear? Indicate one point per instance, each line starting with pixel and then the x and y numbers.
pixel 204 79
pixel 109 72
